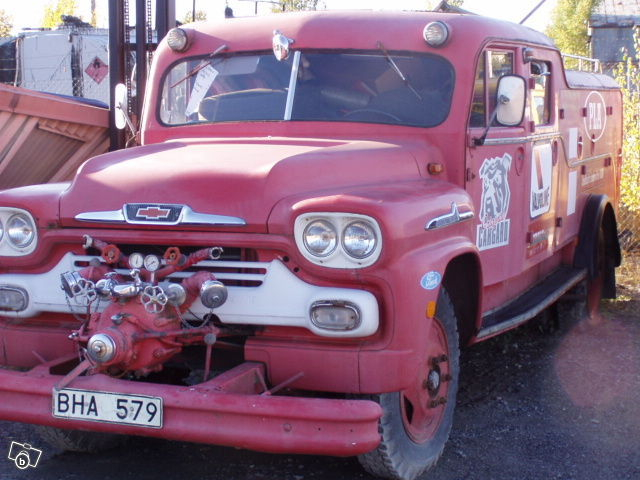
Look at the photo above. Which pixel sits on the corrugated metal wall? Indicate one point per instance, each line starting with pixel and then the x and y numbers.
pixel 45 138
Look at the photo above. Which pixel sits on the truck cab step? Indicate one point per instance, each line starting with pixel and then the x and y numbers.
pixel 531 302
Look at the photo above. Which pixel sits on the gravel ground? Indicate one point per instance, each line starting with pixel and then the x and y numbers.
pixel 532 405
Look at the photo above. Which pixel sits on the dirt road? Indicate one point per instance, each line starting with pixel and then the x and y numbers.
pixel 532 405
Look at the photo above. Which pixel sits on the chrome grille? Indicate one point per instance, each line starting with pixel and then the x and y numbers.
pixel 232 273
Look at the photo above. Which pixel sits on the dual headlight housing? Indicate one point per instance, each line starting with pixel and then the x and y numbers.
pixel 18 232
pixel 338 240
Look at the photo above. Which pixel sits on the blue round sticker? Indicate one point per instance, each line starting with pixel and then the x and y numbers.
pixel 431 280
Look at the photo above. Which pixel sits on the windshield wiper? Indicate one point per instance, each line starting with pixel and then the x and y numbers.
pixel 396 69
pixel 205 62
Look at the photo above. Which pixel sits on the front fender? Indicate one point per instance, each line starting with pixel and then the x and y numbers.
pixel 403 211
pixel 415 279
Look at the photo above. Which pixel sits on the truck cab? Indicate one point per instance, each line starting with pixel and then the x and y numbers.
pixel 324 208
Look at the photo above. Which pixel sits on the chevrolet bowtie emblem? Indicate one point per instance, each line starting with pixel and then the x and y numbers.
pixel 153 213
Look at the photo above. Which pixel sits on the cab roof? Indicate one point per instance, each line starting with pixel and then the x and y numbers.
pixel 355 30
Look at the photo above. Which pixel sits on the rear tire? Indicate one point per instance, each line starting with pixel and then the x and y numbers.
pixel 582 302
pixel 79 440
pixel 416 422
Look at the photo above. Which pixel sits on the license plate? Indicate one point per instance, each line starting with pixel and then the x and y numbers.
pixel 108 407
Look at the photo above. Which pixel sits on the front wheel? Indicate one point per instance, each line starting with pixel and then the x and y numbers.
pixel 416 422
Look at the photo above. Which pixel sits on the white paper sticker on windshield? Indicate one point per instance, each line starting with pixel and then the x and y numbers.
pixel 205 78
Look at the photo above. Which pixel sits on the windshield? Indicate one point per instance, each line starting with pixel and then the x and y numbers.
pixel 374 87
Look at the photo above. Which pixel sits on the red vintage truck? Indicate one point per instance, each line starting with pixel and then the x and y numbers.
pixel 324 208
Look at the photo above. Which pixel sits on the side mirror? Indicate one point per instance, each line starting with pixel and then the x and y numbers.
pixel 121 116
pixel 120 104
pixel 511 100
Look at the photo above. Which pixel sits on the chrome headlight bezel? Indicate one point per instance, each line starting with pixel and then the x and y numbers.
pixel 10 243
pixel 340 255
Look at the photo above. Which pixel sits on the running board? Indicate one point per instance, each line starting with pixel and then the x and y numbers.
pixel 531 302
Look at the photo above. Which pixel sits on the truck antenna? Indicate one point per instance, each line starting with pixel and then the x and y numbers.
pixel 532 11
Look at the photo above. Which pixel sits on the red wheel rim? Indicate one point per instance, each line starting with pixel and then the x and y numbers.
pixel 423 405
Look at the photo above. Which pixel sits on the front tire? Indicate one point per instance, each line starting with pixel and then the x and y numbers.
pixel 416 422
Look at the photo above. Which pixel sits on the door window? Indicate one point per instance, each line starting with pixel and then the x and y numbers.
pixel 492 65
pixel 540 98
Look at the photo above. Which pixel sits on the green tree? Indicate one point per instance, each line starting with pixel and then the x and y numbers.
pixel 53 12
pixel 628 76
pixel 296 5
pixel 200 16
pixel 455 3
pixel 569 25
pixel 5 24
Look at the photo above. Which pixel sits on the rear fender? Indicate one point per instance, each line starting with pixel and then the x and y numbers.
pixel 598 212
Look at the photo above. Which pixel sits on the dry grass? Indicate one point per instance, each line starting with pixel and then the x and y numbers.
pixel 628 279
pixel 629 273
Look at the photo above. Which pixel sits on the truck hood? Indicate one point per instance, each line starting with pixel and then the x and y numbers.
pixel 238 179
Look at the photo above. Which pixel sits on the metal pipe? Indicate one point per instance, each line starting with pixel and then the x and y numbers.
pixel 117 54
pixel 141 54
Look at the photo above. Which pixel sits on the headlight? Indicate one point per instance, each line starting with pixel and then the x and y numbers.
pixel 359 239
pixel 18 233
pixel 338 240
pixel 20 230
pixel 320 238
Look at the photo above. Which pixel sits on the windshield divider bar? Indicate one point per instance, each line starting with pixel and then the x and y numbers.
pixel 288 109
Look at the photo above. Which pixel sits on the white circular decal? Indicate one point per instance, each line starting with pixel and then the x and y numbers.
pixel 431 280
pixel 596 119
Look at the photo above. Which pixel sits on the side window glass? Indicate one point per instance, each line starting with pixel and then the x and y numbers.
pixel 540 98
pixel 492 65
pixel 501 63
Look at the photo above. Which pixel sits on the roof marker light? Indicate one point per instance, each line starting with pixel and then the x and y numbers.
pixel 436 34
pixel 178 40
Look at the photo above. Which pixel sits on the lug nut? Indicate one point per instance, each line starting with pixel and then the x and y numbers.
pixel 439 359
pixel 437 402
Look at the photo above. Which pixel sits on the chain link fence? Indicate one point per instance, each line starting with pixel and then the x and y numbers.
pixel 71 62
pixel 629 229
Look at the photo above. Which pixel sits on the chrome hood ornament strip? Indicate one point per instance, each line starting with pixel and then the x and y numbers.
pixel 158 214
pixel 449 219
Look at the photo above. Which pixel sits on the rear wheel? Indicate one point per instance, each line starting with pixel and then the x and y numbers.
pixel 78 440
pixel 582 302
pixel 416 422
pixel 595 284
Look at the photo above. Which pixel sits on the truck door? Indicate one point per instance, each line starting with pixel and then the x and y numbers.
pixel 495 176
pixel 542 163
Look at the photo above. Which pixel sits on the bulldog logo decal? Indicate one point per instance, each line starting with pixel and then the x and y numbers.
pixel 493 230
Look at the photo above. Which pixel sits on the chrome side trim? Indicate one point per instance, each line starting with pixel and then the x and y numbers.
pixel 194 218
pixel 112 216
pixel 529 138
pixel 187 217
pixel 449 219
pixel 577 163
